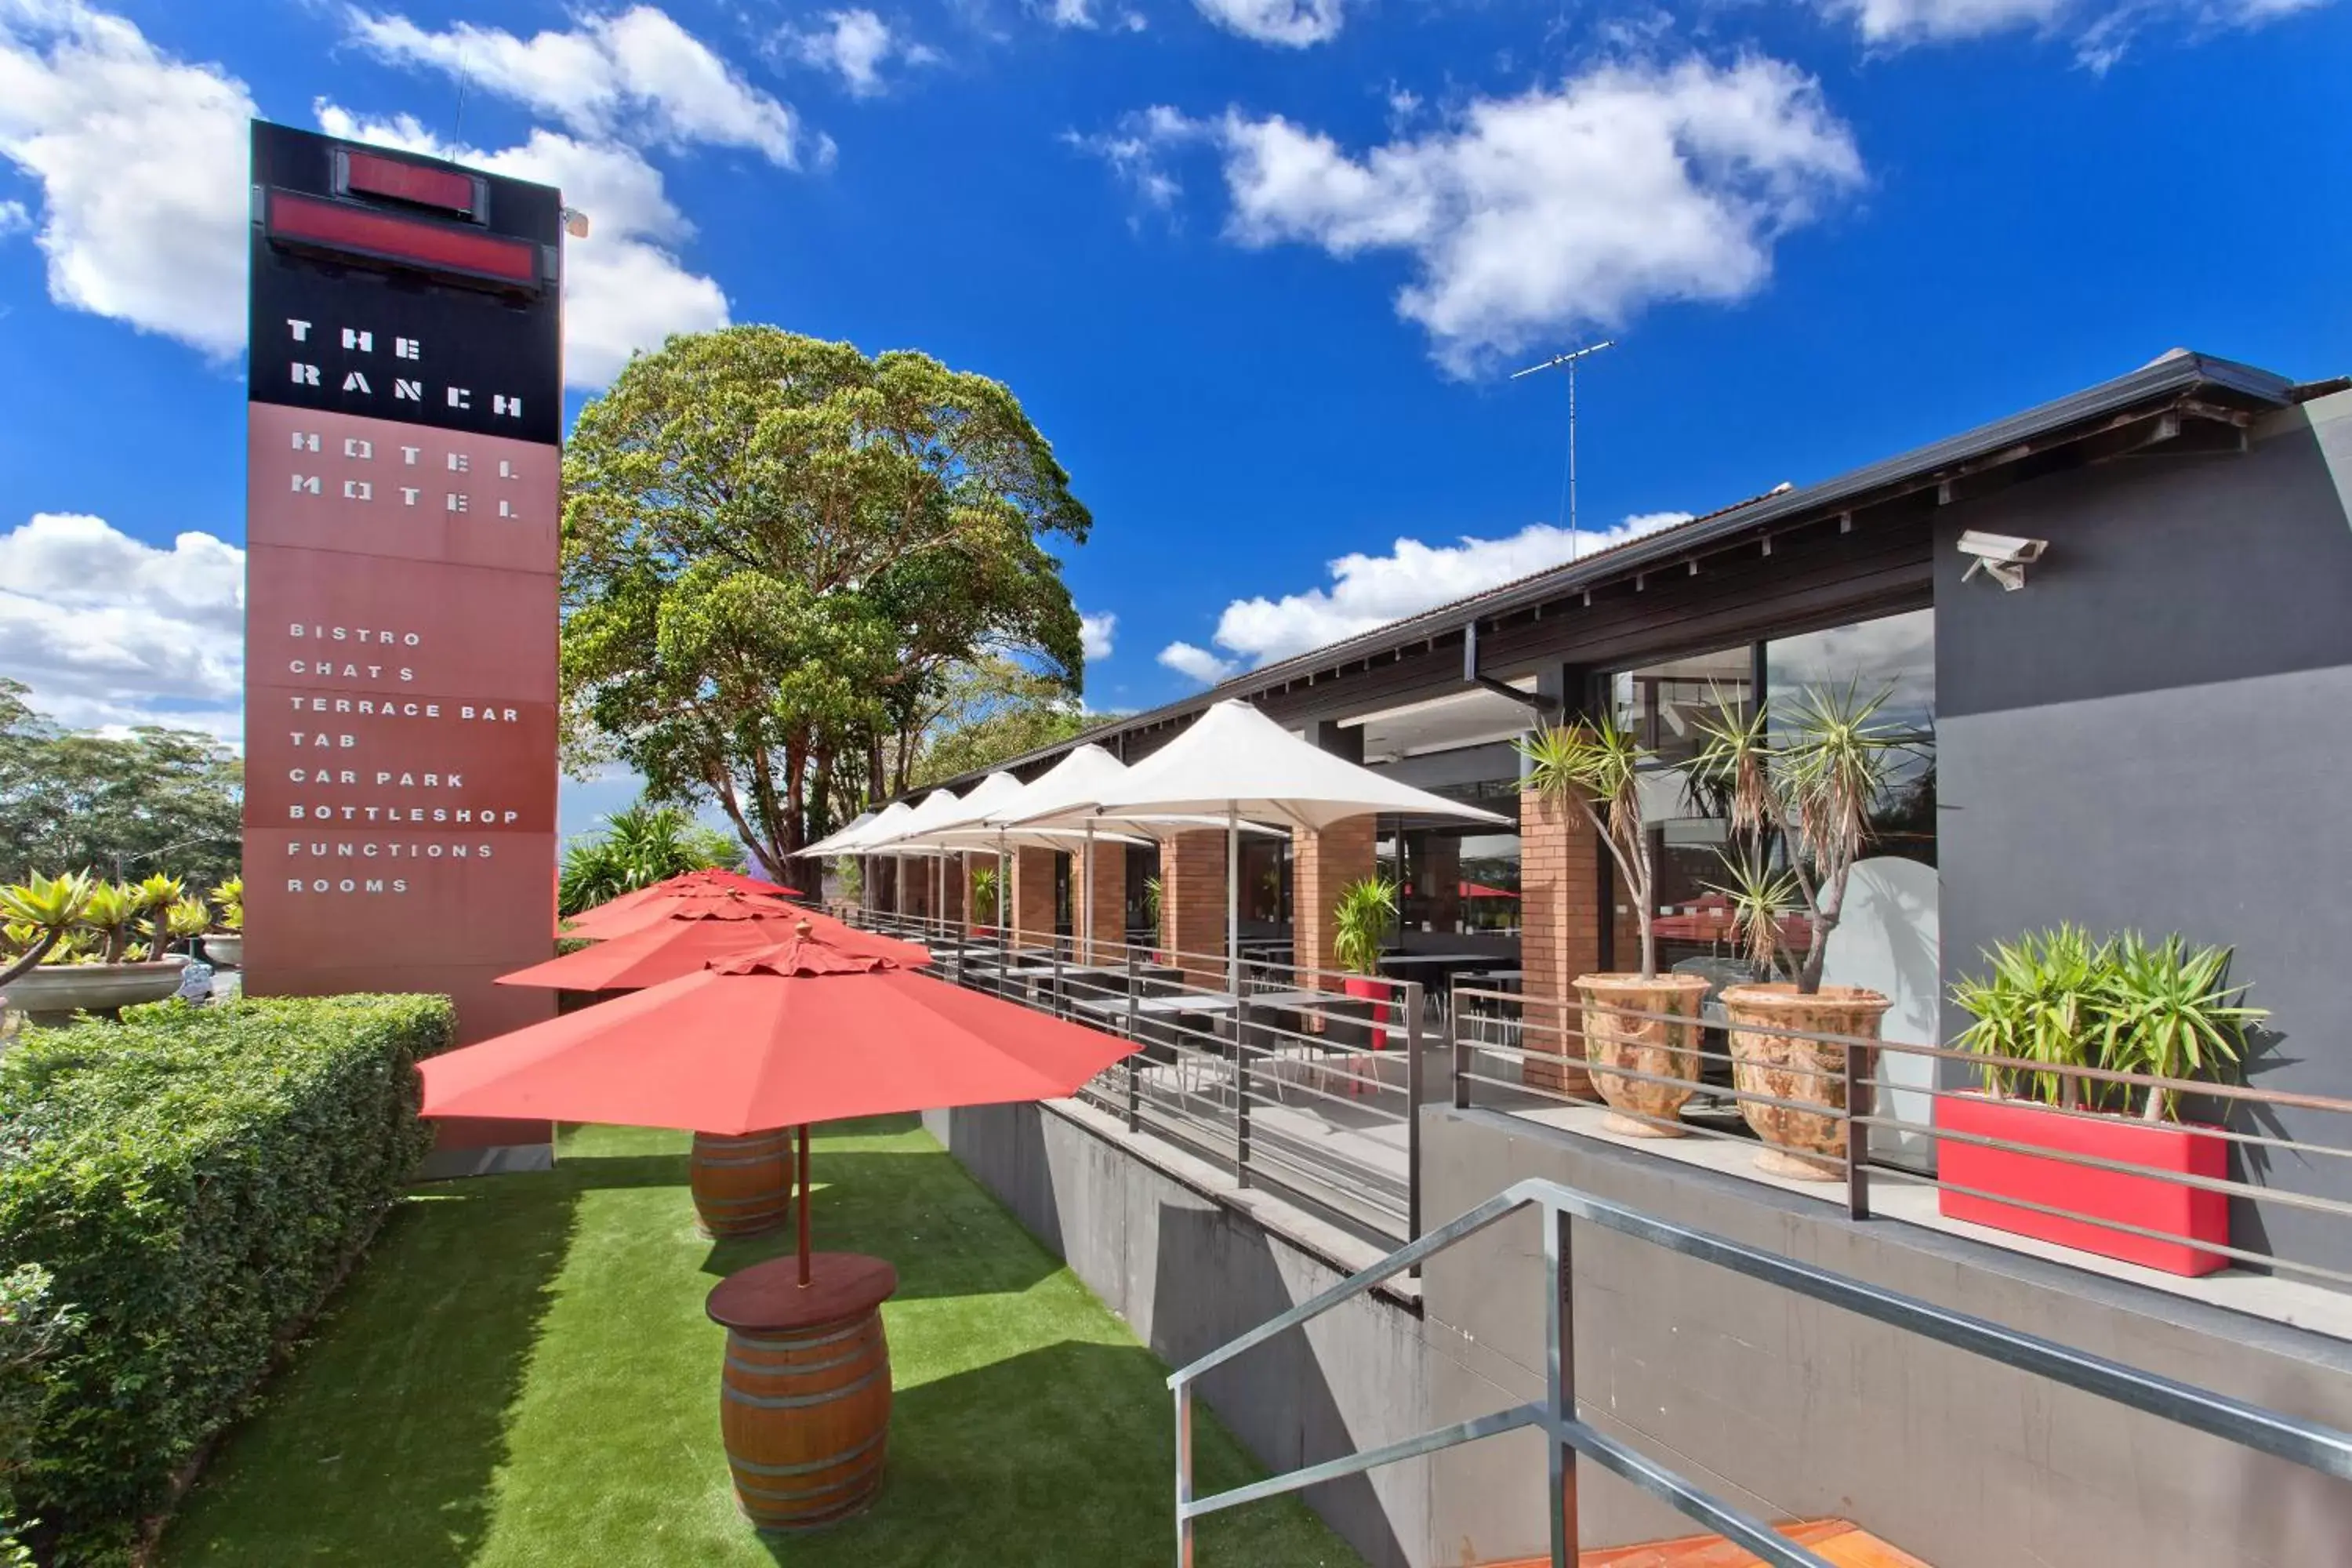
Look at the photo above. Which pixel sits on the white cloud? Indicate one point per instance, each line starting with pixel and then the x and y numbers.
pixel 855 44
pixel 1198 663
pixel 141 159
pixel 15 218
pixel 1533 217
pixel 623 286
pixel 1290 23
pixel 1370 591
pixel 1560 209
pixel 637 76
pixel 2101 32
pixel 108 630
pixel 1137 151
pixel 1095 632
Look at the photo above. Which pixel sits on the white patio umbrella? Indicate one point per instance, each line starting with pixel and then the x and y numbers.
pixel 830 844
pixel 883 824
pixel 937 807
pixel 1075 783
pixel 1234 762
pixel 965 822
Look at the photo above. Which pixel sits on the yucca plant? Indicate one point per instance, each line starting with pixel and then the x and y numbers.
pixel 229 899
pixel 983 895
pixel 1806 771
pixel 1759 895
pixel 2162 1009
pixel 46 910
pixel 1596 764
pixel 1360 919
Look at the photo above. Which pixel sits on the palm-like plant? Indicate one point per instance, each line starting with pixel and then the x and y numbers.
pixel 229 899
pixel 1360 923
pixel 2057 998
pixel 983 895
pixel 1807 771
pixel 635 848
pixel 45 909
pixel 1596 764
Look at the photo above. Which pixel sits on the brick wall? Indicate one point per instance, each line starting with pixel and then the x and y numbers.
pixel 1032 897
pixel 1321 866
pixel 1109 913
pixel 1192 903
pixel 1560 939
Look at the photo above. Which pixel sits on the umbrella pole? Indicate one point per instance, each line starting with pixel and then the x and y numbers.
pixel 1233 898
pixel 1086 897
pixel 804 1206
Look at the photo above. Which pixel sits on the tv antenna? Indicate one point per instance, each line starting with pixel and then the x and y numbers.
pixel 1568 363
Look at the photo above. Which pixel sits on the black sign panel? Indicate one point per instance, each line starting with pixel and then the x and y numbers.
pixel 352 334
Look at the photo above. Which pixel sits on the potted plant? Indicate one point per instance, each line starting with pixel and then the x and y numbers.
pixel 1641 1021
pixel 98 964
pixel 1361 920
pixel 1799 778
pixel 225 942
pixel 2057 1000
pixel 984 897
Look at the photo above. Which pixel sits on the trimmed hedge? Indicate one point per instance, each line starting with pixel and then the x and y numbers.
pixel 197 1180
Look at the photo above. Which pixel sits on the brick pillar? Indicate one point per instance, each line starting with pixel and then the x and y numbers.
pixel 1107 930
pixel 1321 867
pixel 953 877
pixel 918 872
pixel 1193 904
pixel 1561 937
pixel 1441 868
pixel 1032 898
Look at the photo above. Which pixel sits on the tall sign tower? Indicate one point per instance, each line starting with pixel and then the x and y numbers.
pixel 403 415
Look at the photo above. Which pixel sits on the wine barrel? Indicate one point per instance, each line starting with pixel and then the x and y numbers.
pixel 743 1185
pixel 805 1402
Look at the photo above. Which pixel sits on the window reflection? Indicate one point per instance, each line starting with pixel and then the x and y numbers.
pixel 1895 655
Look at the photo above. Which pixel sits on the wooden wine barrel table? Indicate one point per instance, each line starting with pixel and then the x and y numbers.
pixel 804 1404
pixel 742 1186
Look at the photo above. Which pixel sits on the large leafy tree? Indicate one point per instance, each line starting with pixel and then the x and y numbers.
pixel 776 551
pixel 151 800
pixel 993 709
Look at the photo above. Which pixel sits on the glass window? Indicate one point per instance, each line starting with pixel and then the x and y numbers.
pixel 1664 704
pixel 1894 655
pixel 1456 879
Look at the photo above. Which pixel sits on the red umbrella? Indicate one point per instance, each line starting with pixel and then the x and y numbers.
pixel 686 937
pixel 614 919
pixel 707 878
pixel 800 1033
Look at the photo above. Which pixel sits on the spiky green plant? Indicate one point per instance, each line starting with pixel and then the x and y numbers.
pixel 2061 1000
pixel 1806 771
pixel 1360 919
pixel 229 899
pixel 1761 895
pixel 983 895
pixel 185 917
pixel 46 909
pixel 1595 764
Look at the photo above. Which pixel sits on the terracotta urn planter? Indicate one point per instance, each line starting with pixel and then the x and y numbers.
pixel 1614 1038
pixel 1790 1069
pixel 224 949
pixel 52 994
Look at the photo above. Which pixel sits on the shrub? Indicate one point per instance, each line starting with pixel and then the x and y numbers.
pixel 195 1181
pixel 2125 1004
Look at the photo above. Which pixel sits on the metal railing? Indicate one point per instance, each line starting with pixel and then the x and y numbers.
pixel 2320 1447
pixel 1516 1053
pixel 1289 1083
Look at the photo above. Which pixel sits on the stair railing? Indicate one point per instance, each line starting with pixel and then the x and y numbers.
pixel 2323 1449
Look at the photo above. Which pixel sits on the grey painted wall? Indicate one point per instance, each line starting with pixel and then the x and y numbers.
pixel 1792 1408
pixel 2154 733
pixel 1188 1274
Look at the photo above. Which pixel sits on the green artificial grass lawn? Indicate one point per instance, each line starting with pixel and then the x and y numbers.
pixel 521 1376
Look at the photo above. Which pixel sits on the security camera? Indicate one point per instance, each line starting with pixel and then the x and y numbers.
pixel 2001 556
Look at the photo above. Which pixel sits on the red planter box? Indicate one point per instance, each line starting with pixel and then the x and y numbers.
pixel 1377 990
pixel 2152 1203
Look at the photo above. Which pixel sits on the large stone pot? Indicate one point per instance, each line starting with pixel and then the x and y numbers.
pixel 1786 1068
pixel 1613 1039
pixel 224 949
pixel 51 994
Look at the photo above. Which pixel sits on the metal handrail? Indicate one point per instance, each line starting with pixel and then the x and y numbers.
pixel 2326 1449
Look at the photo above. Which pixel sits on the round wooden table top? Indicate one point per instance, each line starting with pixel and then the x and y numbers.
pixel 770 1296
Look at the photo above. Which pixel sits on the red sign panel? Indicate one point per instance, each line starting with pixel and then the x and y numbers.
pixel 401 609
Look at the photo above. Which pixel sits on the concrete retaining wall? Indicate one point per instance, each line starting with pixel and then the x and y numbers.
pixel 1791 1407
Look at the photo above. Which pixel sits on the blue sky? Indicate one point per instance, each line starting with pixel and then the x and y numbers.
pixel 1256 267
